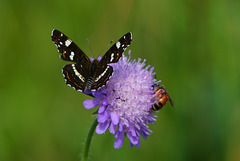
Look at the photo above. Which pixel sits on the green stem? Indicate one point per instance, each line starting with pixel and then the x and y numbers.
pixel 88 141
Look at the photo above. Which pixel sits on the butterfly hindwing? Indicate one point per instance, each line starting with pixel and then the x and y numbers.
pixel 101 79
pixel 76 75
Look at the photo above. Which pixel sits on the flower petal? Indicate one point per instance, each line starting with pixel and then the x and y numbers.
pixel 138 144
pixel 101 109
pixel 119 141
pixel 115 118
pixel 88 104
pixel 132 131
pixel 102 127
pixel 105 102
pixel 102 117
pixel 133 139
pixel 120 127
pixel 99 58
pixel 112 128
pixel 97 94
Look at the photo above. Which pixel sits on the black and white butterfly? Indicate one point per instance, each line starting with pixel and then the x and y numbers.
pixel 85 74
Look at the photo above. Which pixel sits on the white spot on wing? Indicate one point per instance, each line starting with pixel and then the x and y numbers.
pixel 68 42
pixel 112 57
pixel 52 32
pixel 107 81
pixel 79 90
pixel 118 44
pixel 100 76
pixel 77 73
pixel 72 55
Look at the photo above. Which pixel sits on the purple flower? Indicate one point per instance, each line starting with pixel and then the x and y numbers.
pixel 125 102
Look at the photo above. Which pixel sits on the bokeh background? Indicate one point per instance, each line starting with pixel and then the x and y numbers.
pixel 193 45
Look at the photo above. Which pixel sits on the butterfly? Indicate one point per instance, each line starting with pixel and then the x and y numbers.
pixel 84 74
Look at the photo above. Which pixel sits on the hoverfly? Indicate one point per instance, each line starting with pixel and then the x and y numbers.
pixel 162 97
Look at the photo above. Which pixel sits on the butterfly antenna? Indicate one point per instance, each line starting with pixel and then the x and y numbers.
pixel 90 46
pixel 107 46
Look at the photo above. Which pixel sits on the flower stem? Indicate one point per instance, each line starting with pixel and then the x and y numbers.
pixel 88 141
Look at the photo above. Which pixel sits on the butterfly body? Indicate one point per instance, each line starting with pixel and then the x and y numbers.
pixel 85 74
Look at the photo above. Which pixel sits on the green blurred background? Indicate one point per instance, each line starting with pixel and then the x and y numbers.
pixel 194 46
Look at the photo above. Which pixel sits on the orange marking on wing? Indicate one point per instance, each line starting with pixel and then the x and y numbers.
pixel 105 79
pixel 63 54
pixel 118 56
pixel 77 85
pixel 68 76
pixel 100 82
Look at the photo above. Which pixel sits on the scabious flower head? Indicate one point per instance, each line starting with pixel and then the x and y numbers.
pixel 125 102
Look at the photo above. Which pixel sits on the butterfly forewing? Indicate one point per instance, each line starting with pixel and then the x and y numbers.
pixel 69 50
pixel 104 71
pixel 117 49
